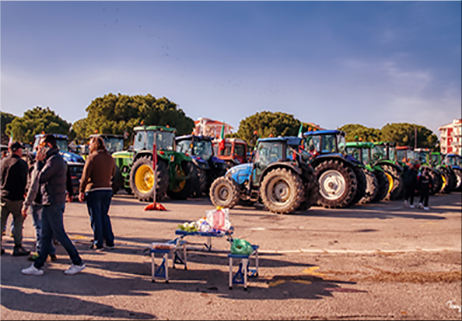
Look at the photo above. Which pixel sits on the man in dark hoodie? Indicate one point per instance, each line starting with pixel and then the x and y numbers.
pixel 52 179
pixel 425 183
pixel 410 183
pixel 13 179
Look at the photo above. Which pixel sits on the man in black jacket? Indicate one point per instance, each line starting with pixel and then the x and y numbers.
pixel 52 179
pixel 410 183
pixel 13 180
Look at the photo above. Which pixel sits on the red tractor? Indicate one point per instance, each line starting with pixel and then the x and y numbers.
pixel 233 151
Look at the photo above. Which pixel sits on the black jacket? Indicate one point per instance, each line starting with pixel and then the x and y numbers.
pixel 13 178
pixel 410 178
pixel 53 178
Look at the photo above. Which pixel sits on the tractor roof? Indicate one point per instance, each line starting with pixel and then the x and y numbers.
pixel 160 128
pixel 360 144
pixel 199 137
pixel 290 140
pixel 324 132
pixel 107 135
pixel 57 136
pixel 404 148
pixel 383 143
pixel 231 140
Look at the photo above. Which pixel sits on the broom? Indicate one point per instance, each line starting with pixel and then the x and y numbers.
pixel 154 206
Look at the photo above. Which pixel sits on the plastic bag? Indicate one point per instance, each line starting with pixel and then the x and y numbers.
pixel 219 219
pixel 241 246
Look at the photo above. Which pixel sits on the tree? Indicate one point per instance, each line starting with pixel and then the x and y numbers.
pixel 5 120
pixel 403 134
pixel 363 133
pixel 267 123
pixel 119 114
pixel 36 121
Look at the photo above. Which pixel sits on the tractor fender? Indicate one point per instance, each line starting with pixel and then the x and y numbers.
pixel 325 158
pixel 399 168
pixel 287 165
pixel 240 173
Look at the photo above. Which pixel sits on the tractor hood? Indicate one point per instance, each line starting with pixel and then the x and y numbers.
pixel 240 173
pixel 72 157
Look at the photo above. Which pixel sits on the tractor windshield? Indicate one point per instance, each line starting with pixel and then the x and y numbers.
pixel 355 152
pixel 435 159
pixel 114 144
pixel 378 153
pixel 145 140
pixel 422 156
pixel 184 146
pixel 203 149
pixel 268 152
pixel 341 144
pixel 62 145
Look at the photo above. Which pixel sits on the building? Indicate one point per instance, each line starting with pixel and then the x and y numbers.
pixel 210 127
pixel 451 137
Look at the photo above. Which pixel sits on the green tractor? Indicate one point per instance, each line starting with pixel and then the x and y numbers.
pixel 444 178
pixel 384 155
pixel 173 169
pixel 377 181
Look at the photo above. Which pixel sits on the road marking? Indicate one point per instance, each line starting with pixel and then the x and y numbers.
pixel 358 251
pixel 311 271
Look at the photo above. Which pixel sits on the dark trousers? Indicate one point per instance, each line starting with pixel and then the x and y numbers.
pixel 424 194
pixel 98 203
pixel 53 226
pixel 409 193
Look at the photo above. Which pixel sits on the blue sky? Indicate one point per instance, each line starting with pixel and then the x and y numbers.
pixel 331 63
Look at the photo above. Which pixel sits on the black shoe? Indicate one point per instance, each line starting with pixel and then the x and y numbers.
pixel 53 257
pixel 3 251
pixel 20 251
pixel 96 248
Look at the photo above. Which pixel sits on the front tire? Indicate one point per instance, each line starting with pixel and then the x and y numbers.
pixel 142 179
pixel 372 187
pixel 282 191
pixel 224 192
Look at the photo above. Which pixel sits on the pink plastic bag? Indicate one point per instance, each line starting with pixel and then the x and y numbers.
pixel 219 219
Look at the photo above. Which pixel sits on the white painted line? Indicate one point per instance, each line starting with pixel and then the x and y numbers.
pixel 359 251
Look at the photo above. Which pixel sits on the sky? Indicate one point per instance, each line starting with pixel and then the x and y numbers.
pixel 331 63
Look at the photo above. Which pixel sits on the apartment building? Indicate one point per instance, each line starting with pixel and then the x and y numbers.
pixel 451 141
pixel 210 127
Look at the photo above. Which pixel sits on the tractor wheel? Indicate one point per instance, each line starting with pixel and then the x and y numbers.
pixel 184 188
pixel 395 181
pixel 449 180
pixel 458 174
pixel 362 185
pixel 282 191
pixel 437 179
pixel 224 192
pixel 117 181
pixel 372 188
pixel 199 181
pixel 337 184
pixel 142 179
pixel 311 192
pixel 382 188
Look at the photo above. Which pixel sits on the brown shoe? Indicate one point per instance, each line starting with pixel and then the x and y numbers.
pixel 20 251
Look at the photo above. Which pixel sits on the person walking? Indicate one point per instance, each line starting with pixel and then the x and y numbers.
pixel 13 180
pixel 425 183
pixel 410 184
pixel 52 179
pixel 95 188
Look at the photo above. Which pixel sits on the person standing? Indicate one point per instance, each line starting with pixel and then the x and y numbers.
pixel 425 183
pixel 52 178
pixel 13 180
pixel 410 184
pixel 95 188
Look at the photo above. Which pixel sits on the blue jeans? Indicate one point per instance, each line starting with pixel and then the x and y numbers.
pixel 37 212
pixel 52 226
pixel 98 203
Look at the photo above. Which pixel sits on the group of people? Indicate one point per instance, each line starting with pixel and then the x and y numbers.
pixel 41 187
pixel 416 182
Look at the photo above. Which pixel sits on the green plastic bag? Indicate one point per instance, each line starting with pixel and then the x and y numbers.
pixel 241 246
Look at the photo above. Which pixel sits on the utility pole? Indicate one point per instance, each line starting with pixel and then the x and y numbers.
pixel 415 137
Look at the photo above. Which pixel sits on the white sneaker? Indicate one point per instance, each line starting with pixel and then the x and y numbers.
pixel 411 206
pixel 406 203
pixel 74 269
pixel 32 270
pixel 420 205
pixel 426 208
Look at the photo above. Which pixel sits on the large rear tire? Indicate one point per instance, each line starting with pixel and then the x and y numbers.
pixel 282 191
pixel 437 179
pixel 337 184
pixel 224 192
pixel 142 179
pixel 117 180
pixel 395 180
pixel 362 184
pixel 383 186
pixel 372 187
pixel 449 180
pixel 184 188
pixel 458 174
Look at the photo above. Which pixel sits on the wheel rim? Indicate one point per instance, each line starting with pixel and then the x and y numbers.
pixel 332 185
pixel 444 182
pixel 279 191
pixel 390 182
pixel 222 193
pixel 144 178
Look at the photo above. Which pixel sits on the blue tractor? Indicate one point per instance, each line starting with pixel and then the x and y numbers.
pixel 341 178
pixel 279 176
pixel 209 167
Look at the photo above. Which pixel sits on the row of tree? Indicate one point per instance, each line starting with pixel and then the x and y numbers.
pixel 119 114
